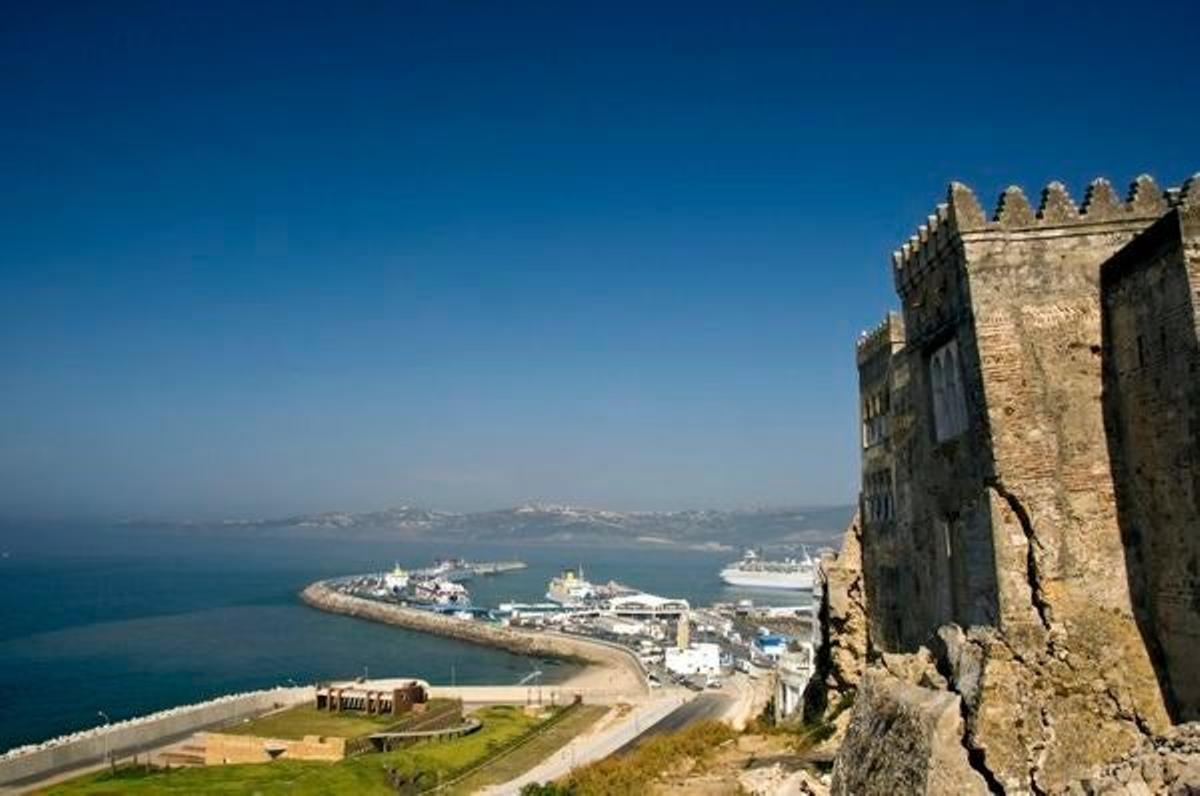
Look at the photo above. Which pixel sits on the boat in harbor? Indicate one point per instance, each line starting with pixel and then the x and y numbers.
pixel 396 581
pixel 755 572
pixel 571 588
pixel 436 591
pixel 458 569
pixel 453 570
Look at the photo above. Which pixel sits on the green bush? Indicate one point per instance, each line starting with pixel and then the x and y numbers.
pixel 547 789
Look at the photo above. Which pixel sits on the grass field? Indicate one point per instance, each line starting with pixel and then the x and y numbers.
pixel 295 723
pixel 359 775
pixel 533 752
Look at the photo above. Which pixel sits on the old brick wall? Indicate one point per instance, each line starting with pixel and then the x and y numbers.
pixel 1006 508
pixel 940 469
pixel 1152 397
pixel 222 749
pixel 884 551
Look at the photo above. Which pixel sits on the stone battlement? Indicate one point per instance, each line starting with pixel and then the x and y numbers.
pixel 1029 466
pixel 888 333
pixel 962 213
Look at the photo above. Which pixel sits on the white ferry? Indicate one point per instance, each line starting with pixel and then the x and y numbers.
pixel 441 592
pixel 757 573
pixel 396 581
pixel 570 588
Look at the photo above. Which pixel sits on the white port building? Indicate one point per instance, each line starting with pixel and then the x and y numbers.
pixel 699 658
pixel 619 626
pixel 794 671
pixel 645 605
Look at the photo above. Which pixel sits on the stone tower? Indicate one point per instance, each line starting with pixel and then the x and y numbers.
pixel 989 499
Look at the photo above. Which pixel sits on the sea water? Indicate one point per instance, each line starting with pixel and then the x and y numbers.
pixel 129 622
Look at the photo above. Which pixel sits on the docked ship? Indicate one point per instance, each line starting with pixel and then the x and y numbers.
pixel 570 588
pixel 448 569
pixel 758 573
pixel 458 569
pixel 435 591
pixel 396 581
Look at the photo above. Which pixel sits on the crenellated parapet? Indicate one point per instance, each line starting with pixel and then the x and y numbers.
pixel 962 214
pixel 888 335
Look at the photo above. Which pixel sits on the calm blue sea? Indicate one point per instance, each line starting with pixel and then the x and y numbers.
pixel 129 622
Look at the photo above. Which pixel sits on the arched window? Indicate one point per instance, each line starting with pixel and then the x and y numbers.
pixel 937 379
pixel 949 398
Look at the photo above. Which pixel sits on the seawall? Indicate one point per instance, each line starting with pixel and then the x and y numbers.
pixel 132 736
pixel 620 672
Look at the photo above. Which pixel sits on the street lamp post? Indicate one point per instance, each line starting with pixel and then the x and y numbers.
pixel 104 731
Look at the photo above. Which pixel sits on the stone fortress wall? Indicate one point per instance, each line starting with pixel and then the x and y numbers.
pixel 1030 488
pixel 1151 295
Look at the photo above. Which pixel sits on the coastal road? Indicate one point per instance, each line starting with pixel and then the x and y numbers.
pixel 599 742
pixel 705 706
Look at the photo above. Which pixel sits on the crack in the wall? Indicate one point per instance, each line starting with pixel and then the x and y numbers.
pixel 976 756
pixel 1128 714
pixel 1036 764
pixel 1033 574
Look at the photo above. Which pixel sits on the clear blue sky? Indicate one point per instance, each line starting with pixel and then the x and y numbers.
pixel 265 257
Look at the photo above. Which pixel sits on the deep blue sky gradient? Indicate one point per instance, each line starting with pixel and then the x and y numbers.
pixel 262 258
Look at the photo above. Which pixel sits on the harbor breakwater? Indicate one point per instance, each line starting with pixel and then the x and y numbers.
pixel 613 671
pixel 140 734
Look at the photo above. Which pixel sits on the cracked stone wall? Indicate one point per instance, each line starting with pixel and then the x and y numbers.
pixel 1006 518
pixel 1152 396
pixel 842 655
pixel 1068 681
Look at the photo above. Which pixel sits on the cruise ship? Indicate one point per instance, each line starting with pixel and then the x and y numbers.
pixel 757 573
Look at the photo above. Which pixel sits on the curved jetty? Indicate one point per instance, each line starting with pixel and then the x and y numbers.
pixel 612 670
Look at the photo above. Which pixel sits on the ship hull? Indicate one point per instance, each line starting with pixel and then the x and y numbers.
pixel 795 581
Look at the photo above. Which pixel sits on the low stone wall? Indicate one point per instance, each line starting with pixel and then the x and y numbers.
pixel 628 675
pixel 140 734
pixel 223 749
pixel 560 695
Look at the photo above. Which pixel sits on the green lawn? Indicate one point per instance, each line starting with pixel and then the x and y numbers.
pixel 528 755
pixel 295 723
pixel 359 775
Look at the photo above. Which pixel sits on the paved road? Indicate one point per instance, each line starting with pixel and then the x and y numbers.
pixel 705 706
pixel 595 745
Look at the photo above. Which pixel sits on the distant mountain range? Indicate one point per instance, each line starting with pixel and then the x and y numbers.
pixel 540 522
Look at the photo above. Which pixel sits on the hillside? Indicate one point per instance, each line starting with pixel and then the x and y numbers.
pixel 570 524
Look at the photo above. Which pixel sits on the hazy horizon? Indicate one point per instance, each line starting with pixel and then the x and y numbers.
pixel 265 259
pixel 13 520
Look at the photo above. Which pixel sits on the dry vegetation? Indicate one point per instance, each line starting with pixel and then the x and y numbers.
pixel 684 752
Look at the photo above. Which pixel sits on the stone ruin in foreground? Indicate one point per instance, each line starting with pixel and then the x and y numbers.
pixel 1023 577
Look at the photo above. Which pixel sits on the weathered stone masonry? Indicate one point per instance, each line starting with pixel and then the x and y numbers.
pixel 1152 400
pixel 1010 471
